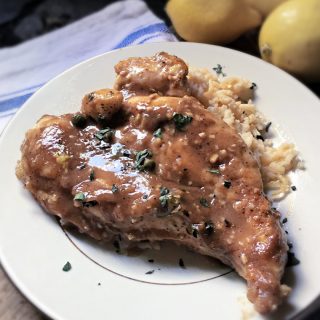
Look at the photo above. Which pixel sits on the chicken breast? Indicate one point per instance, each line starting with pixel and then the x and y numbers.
pixel 162 73
pixel 167 169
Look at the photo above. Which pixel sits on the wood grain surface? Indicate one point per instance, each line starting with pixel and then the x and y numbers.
pixel 13 306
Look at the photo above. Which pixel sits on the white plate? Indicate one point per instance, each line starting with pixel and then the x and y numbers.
pixel 34 248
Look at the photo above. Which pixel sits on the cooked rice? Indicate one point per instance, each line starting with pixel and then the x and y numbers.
pixel 231 99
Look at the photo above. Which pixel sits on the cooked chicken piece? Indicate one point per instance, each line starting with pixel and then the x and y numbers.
pixel 162 73
pixel 102 104
pixel 171 171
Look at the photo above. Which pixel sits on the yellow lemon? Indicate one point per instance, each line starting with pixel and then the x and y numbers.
pixel 212 21
pixel 290 38
pixel 265 6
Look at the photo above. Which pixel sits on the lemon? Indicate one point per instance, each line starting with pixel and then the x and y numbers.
pixel 265 6
pixel 290 38
pixel 212 21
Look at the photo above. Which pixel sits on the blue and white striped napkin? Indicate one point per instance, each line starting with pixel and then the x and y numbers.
pixel 28 66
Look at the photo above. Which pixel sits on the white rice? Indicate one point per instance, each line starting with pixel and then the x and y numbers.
pixel 231 99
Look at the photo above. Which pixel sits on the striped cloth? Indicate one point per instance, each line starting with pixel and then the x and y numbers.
pixel 28 66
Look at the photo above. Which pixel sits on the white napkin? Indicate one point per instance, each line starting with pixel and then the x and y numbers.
pixel 26 67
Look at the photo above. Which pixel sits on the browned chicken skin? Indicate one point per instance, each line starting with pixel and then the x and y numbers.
pixel 169 170
pixel 161 73
pixel 101 105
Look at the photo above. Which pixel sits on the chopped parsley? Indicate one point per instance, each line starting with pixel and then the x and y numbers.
pixel 208 228
pixel 67 267
pixel 91 176
pixel 260 137
pixel 253 86
pixel 214 171
pixel 218 70
pixel 79 196
pixel 168 202
pixel 181 120
pixel 204 202
pixel 158 133
pixel 79 120
pixel 114 188
pixel 90 96
pixel 126 153
pixel 268 125
pixel 164 198
pixel 227 184
pixel 193 229
pixel 104 134
pixel 143 161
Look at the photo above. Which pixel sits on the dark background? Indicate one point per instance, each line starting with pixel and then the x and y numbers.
pixel 21 20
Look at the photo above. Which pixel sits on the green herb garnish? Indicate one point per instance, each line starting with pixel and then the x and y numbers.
pixel 268 125
pixel 204 202
pixel 227 184
pixel 79 196
pixel 208 228
pixel 158 133
pixel 164 198
pixel 79 120
pixel 168 202
pixel 218 70
pixel 193 229
pixel 104 134
pixel 91 176
pixel 90 96
pixel 126 153
pixel 253 86
pixel 260 137
pixel 181 120
pixel 82 166
pixel 114 188
pixel 67 267
pixel 214 171
pixel 143 161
